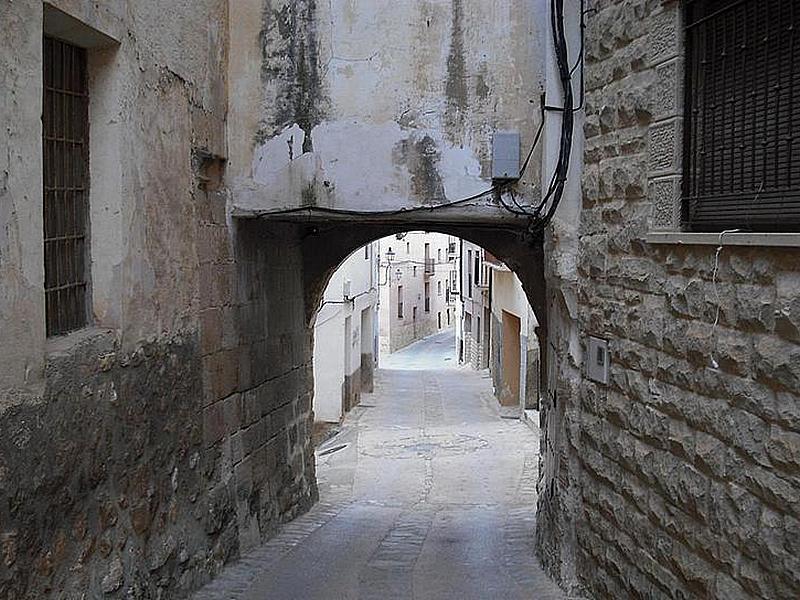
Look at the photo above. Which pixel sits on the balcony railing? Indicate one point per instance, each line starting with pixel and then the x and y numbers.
pixel 430 266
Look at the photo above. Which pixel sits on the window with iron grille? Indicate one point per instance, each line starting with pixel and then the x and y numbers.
pixel 65 140
pixel 742 115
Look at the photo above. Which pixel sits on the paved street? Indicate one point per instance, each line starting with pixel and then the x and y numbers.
pixel 432 353
pixel 426 493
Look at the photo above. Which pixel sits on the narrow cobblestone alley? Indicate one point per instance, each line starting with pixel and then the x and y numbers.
pixel 425 493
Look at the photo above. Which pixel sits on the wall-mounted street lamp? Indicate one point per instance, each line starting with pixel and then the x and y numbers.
pixel 389 258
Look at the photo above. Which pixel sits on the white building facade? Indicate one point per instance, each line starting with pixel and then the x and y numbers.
pixel 496 327
pixel 513 344
pixel 417 300
pixel 345 336
pixel 472 333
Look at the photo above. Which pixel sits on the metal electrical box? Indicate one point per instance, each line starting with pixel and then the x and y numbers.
pixel 505 155
pixel 597 361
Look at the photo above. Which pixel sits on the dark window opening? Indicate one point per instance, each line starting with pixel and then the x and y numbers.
pixel 399 301
pixel 469 273
pixel 742 115
pixel 65 145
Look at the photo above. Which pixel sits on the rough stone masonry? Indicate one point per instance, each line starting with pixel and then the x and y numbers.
pixel 681 478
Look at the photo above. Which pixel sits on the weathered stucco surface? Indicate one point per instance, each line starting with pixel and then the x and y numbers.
pixel 21 254
pixel 376 106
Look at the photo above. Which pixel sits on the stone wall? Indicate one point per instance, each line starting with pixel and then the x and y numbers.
pixel 407 331
pixel 679 479
pixel 140 454
pixel 262 428
pixel 103 485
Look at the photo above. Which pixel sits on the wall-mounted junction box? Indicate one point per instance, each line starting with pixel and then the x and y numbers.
pixel 597 360
pixel 505 155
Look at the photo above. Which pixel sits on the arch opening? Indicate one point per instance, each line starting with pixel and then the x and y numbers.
pixel 279 294
pixel 422 342
pixel 409 284
pixel 327 245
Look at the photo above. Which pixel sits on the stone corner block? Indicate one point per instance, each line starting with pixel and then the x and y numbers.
pixel 665 33
pixel 665 197
pixel 667 91
pixel 665 147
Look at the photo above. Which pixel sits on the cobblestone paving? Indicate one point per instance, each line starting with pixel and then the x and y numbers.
pixel 426 493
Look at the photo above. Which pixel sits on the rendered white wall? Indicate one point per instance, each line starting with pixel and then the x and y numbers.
pixel 329 330
pixel 409 259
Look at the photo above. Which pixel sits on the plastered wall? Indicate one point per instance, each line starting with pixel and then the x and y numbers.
pixel 354 104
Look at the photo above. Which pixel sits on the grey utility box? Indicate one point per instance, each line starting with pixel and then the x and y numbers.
pixel 597 361
pixel 505 155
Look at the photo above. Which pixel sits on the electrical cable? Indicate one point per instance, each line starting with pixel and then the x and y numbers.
pixel 714 363
pixel 377 213
pixel 558 181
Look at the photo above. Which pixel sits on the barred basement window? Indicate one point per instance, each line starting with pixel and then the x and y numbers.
pixel 742 115
pixel 65 127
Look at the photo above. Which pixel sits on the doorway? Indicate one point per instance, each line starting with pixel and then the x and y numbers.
pixel 509 395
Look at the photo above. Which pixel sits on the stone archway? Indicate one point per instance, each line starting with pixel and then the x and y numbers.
pixel 259 418
pixel 326 244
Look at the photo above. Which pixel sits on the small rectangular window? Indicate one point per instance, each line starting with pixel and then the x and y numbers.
pixel 65 145
pixel 399 301
pixel 469 273
pixel 742 115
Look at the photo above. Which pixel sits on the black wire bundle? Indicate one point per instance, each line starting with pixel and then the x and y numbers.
pixel 559 179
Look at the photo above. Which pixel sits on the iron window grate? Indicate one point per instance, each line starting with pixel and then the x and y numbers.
pixel 742 115
pixel 65 202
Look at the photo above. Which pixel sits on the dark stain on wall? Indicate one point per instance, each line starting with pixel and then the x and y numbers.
pixel 482 89
pixel 456 85
pixel 421 157
pixel 290 65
